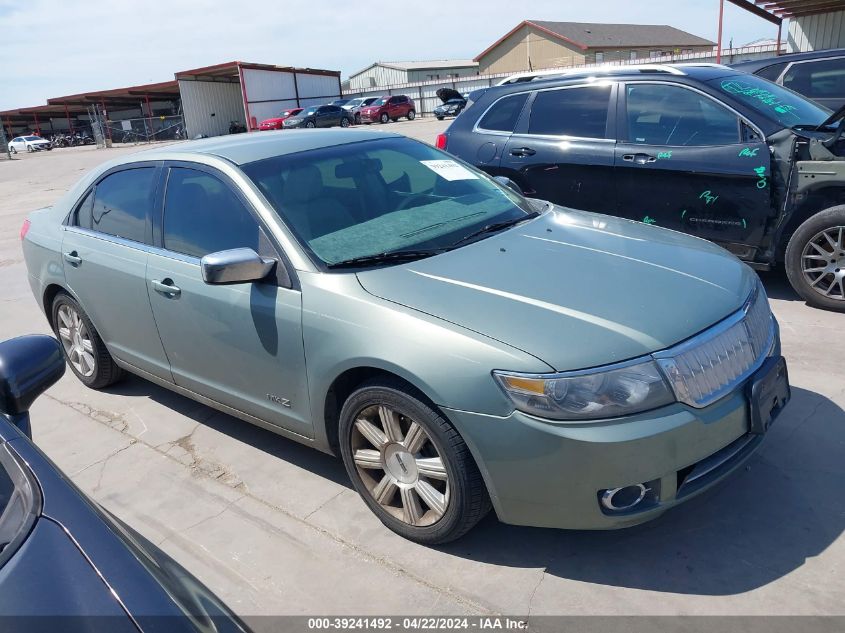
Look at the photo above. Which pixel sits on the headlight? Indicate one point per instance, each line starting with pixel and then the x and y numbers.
pixel 586 395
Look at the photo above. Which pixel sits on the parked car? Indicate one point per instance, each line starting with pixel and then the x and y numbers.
pixel 319 116
pixel 699 148
pixel 819 75
pixel 356 105
pixel 63 558
pixel 276 123
pixel 29 144
pixel 459 345
pixel 452 107
pixel 340 102
pixel 389 108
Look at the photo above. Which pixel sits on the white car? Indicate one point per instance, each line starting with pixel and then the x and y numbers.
pixel 29 144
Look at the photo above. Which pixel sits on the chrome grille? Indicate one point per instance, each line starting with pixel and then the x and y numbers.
pixel 710 365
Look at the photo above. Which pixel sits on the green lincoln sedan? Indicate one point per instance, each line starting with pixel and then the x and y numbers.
pixel 460 346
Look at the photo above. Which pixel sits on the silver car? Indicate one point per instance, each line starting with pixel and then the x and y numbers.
pixel 460 346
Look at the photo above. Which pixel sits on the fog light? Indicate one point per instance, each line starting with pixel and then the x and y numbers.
pixel 626 498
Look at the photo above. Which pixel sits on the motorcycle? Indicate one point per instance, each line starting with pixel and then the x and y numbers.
pixel 235 127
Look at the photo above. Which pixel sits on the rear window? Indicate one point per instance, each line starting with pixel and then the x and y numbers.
pixel 578 112
pixel 122 202
pixel 504 114
pixel 823 79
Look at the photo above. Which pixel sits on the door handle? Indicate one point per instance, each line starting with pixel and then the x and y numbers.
pixel 522 151
pixel 166 287
pixel 73 258
pixel 639 158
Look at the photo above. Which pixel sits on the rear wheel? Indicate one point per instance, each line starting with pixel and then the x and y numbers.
pixel 409 464
pixel 815 259
pixel 344 122
pixel 411 115
pixel 384 118
pixel 83 348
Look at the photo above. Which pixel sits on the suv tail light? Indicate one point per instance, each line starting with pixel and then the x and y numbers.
pixel 440 143
pixel 25 228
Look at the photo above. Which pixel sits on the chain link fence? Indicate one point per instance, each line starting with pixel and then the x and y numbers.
pixel 144 130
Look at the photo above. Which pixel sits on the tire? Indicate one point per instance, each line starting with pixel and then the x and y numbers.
pixel 439 118
pixel 819 243
pixel 310 124
pixel 424 508
pixel 384 118
pixel 411 115
pixel 29 149
pixel 13 150
pixel 344 122
pixel 105 371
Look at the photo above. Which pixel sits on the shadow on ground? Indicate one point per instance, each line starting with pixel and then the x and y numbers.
pixel 777 285
pixel 759 525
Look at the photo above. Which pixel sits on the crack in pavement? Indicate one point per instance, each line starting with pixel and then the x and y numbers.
pixel 225 509
pixel 534 593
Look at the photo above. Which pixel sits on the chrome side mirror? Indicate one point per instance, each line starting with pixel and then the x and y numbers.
pixel 235 266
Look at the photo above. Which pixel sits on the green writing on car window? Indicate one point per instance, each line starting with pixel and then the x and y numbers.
pixel 664 155
pixel 747 151
pixel 760 94
pixel 708 197
pixel 649 220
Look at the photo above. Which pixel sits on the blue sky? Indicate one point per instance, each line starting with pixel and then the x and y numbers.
pixel 57 47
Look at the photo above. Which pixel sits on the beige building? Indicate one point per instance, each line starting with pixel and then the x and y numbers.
pixel 537 44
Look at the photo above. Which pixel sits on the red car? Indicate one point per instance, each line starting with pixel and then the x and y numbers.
pixel 389 108
pixel 276 123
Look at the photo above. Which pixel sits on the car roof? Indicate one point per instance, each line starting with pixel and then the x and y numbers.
pixel 246 148
pixel 758 64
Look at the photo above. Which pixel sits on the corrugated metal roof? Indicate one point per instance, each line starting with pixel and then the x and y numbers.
pixel 433 64
pixel 595 35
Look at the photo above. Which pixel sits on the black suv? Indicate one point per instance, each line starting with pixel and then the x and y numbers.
pixel 698 148
pixel 819 75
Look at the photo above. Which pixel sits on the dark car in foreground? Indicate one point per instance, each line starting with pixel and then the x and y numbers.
pixel 460 346
pixel 65 563
pixel 277 123
pixel 319 116
pixel 819 75
pixel 698 148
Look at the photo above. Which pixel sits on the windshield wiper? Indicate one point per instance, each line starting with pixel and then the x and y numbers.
pixel 386 257
pixel 495 226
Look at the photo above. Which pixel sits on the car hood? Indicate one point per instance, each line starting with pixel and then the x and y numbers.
pixel 272 121
pixel 575 289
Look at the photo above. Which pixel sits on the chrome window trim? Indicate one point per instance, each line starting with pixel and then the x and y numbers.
pixel 789 66
pixel 138 246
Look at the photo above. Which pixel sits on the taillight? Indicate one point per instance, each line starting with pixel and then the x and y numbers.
pixel 440 143
pixel 25 228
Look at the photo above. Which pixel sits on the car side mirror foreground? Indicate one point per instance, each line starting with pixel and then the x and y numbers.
pixel 510 184
pixel 29 365
pixel 235 266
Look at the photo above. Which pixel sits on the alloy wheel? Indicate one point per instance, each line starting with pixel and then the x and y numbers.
pixel 823 262
pixel 400 466
pixel 77 341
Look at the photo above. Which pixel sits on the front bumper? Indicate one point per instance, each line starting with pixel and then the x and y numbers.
pixel 550 474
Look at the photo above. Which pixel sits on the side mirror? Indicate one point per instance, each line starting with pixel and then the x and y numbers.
pixel 235 266
pixel 29 365
pixel 510 184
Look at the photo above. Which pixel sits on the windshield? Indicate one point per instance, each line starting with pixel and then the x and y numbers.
pixel 33 138
pixel 776 102
pixel 379 102
pixel 355 102
pixel 308 111
pixel 378 196
pixel 340 102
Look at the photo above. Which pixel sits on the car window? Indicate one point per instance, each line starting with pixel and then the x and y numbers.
pixel 571 112
pixel 818 79
pixel 202 215
pixel 771 100
pixel 772 72
pixel 660 114
pixel 84 211
pixel 122 203
pixel 404 195
pixel 503 115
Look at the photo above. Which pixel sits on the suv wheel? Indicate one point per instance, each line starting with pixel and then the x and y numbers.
pixel 384 118
pixel 344 122
pixel 409 464
pixel 411 115
pixel 83 348
pixel 815 259
pixel 309 124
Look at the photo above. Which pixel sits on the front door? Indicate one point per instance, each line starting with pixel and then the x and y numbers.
pixel 241 344
pixel 104 250
pixel 686 162
pixel 563 150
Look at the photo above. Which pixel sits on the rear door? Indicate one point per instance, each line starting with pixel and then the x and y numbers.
pixel 483 147
pixel 240 344
pixel 105 247
pixel 563 150
pixel 687 162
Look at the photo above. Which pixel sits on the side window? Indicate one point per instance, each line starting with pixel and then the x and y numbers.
pixel 502 117
pixel 672 115
pixel 84 211
pixel 772 72
pixel 571 112
pixel 202 215
pixel 820 79
pixel 122 203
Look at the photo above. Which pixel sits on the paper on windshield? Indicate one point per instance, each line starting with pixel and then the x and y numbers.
pixel 449 169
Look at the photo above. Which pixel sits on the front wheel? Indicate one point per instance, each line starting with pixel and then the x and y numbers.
pixel 344 122
pixel 310 124
pixel 815 259
pixel 409 464
pixel 384 118
pixel 83 348
pixel 411 115
pixel 13 150
pixel 29 149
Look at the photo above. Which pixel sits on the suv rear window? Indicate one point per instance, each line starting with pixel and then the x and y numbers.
pixel 502 117
pixel 818 79
pixel 571 112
